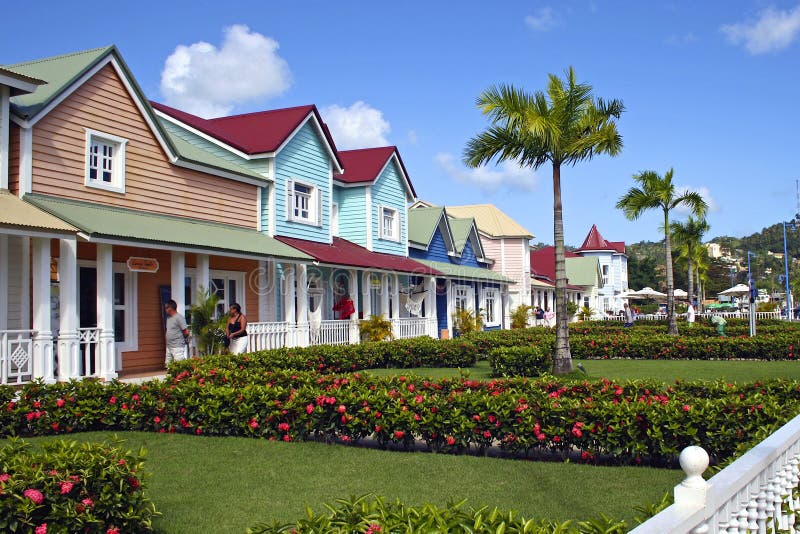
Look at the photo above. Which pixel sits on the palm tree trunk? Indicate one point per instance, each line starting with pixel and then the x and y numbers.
pixel 562 360
pixel 690 289
pixel 673 323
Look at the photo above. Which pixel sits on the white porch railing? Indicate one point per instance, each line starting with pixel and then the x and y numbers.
pixel 16 356
pixel 747 496
pixel 265 336
pixel 726 315
pixel 408 327
pixel 89 341
pixel 331 332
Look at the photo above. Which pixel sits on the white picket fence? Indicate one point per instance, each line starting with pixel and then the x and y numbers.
pixel 756 493
pixel 408 327
pixel 726 315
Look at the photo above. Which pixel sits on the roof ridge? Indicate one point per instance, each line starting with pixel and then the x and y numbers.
pixel 393 147
pixel 262 112
pixel 58 57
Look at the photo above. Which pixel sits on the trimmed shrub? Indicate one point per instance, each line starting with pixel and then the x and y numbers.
pixel 533 360
pixel 67 487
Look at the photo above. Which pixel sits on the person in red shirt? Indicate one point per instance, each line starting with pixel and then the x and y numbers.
pixel 344 309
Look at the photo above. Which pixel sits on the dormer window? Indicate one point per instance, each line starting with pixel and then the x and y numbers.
pixel 389 224
pixel 105 161
pixel 303 203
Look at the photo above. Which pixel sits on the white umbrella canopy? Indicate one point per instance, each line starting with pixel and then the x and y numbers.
pixel 737 290
pixel 650 293
pixel 630 294
pixel 680 293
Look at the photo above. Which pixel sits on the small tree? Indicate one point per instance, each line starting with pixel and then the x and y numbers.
pixel 520 316
pixel 376 328
pixel 207 329
pixel 466 321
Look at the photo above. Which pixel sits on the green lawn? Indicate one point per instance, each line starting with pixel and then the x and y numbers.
pixel 665 370
pixel 204 484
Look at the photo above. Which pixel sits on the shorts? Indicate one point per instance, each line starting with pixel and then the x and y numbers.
pixel 175 354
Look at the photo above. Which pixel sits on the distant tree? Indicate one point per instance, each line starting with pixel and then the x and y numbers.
pixel 641 272
pixel 688 237
pixel 564 125
pixel 656 192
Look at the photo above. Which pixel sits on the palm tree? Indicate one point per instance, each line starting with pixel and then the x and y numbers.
pixel 655 192
pixel 689 237
pixel 564 126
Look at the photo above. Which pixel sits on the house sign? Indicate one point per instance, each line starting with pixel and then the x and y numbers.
pixel 142 265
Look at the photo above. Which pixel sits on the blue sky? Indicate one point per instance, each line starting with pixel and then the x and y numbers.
pixel 710 88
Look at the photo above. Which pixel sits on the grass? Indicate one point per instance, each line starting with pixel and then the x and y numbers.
pixel 210 484
pixel 664 370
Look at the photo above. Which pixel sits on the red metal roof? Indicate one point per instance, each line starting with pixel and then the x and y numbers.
pixel 347 253
pixel 252 133
pixel 595 241
pixel 364 165
pixel 543 264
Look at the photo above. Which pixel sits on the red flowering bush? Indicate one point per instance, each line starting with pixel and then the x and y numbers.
pixel 66 487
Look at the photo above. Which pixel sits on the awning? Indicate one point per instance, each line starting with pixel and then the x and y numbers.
pixel 98 222
pixel 451 270
pixel 17 216
pixel 348 254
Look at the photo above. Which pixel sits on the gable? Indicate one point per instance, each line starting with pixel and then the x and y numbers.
pixel 153 183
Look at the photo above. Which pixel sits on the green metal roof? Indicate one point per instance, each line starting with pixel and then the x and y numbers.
pixel 583 271
pixel 100 221
pixel 190 152
pixel 59 72
pixel 451 270
pixel 460 228
pixel 422 224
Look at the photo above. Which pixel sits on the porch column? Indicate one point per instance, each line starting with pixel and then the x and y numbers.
pixel 450 309
pixel 288 295
pixel 430 307
pixel 106 348
pixel 352 282
pixel 395 296
pixel 5 123
pixel 43 337
pixel 385 294
pixel 25 280
pixel 264 289
pixel 302 303
pixel 202 279
pixel 68 334
pixel 365 288
pixel 4 282
pixel 178 279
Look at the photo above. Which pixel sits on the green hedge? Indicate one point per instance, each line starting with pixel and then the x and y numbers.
pixel 66 487
pixel 532 360
pixel 642 421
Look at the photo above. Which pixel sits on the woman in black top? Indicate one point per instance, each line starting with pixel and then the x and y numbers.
pixel 237 330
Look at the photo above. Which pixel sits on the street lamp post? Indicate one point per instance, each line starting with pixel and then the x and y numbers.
pixel 786 272
pixel 751 286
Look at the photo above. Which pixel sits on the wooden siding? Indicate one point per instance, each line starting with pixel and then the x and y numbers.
pixel 468 256
pixel 14 295
pixel 304 159
pixel 352 213
pixel 389 191
pixel 264 215
pixel 152 183
pixel 511 259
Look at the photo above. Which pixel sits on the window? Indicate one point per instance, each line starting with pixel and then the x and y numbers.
pixel 303 203
pixel 105 161
pixel 491 299
pixel 375 287
pixel 461 297
pixel 390 224
pixel 605 274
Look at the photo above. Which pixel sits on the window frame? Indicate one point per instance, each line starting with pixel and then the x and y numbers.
pixel 395 235
pixel 314 203
pixel 119 144
pixel 493 294
pixel 468 296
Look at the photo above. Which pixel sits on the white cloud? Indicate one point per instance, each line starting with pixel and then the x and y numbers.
pixel 359 126
pixel 773 31
pixel 209 81
pixel 704 192
pixel 507 175
pixel 542 21
pixel 412 137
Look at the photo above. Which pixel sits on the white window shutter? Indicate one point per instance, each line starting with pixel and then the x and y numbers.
pixel 318 206
pixel 289 199
pixel 380 222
